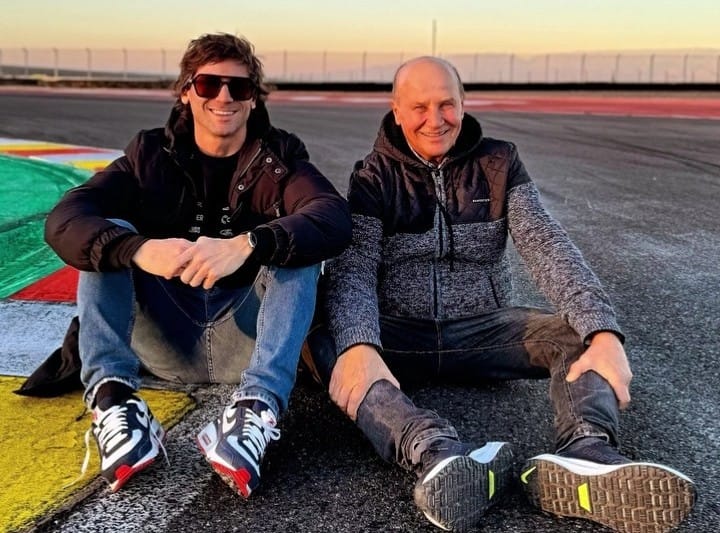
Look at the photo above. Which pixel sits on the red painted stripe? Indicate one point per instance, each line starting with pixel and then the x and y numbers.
pixel 60 286
pixel 698 108
pixel 561 103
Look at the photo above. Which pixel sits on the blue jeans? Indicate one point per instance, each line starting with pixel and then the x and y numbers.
pixel 509 343
pixel 251 335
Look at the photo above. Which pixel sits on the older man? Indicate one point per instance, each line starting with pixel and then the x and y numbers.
pixel 423 292
pixel 200 251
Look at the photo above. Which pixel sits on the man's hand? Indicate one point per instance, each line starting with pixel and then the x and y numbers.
pixel 355 371
pixel 606 356
pixel 161 256
pixel 210 259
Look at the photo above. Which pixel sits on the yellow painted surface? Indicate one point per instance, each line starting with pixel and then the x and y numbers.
pixel 35 147
pixel 42 448
pixel 91 164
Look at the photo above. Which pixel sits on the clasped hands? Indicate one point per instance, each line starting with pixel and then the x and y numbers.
pixel 202 262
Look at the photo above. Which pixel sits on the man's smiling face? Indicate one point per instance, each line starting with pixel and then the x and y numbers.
pixel 220 122
pixel 428 107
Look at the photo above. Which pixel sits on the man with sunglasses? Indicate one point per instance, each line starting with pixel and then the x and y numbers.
pixel 199 252
pixel 423 293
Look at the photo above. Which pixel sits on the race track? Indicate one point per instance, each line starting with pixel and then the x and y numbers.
pixel 638 195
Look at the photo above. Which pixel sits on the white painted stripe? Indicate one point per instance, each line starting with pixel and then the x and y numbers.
pixel 30 332
pixel 82 156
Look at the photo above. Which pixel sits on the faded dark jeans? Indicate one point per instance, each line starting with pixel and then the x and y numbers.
pixel 510 343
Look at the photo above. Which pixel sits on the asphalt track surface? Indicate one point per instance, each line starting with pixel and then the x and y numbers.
pixel 639 196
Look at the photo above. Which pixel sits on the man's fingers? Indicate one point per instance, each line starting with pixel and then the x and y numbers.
pixel 341 400
pixel 336 394
pixel 623 395
pixel 575 371
pixel 357 395
pixel 332 388
pixel 620 388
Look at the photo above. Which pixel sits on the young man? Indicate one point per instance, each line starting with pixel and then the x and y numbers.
pixel 423 292
pixel 200 252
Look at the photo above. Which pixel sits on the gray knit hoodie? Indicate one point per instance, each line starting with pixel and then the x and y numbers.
pixel 430 241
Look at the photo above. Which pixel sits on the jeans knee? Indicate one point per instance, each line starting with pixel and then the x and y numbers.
pixel 303 276
pixel 551 341
pixel 571 343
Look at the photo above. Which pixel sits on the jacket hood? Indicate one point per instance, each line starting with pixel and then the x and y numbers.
pixel 179 128
pixel 391 141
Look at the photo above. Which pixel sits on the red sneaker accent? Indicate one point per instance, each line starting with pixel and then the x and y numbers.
pixel 239 479
pixel 123 473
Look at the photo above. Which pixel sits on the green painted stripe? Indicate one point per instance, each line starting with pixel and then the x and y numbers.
pixel 28 190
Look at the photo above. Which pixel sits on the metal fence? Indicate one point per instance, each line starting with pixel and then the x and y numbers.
pixel 299 66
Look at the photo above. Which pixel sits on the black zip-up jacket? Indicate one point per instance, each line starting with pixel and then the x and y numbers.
pixel 297 215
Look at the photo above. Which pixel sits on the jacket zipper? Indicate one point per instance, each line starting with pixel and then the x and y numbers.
pixel 252 159
pixel 437 177
pixel 238 211
pixel 187 176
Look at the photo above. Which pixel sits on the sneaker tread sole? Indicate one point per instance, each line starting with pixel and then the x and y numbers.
pixel 459 495
pixel 636 497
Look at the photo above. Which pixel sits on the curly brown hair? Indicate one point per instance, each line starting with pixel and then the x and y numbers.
pixel 217 47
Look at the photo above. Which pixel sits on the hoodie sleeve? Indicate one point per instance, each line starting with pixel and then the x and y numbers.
pixel 556 264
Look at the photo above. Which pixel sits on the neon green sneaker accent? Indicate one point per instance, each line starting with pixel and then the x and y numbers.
pixel 584 497
pixel 526 474
pixel 491 484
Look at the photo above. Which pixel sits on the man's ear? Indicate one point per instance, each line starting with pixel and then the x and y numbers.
pixel 396 112
pixel 184 98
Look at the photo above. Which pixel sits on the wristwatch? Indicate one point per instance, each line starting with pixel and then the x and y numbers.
pixel 252 239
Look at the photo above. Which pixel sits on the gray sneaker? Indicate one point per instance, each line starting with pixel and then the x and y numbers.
pixel 461 484
pixel 595 482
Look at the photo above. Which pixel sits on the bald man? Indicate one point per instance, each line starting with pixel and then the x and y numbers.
pixel 423 293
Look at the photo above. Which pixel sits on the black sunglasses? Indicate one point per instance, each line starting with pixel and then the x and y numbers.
pixel 210 85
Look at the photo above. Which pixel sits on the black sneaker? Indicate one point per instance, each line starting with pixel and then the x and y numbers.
pixel 597 483
pixel 462 483
pixel 234 445
pixel 128 438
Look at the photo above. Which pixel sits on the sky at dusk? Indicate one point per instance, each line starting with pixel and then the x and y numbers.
pixel 463 26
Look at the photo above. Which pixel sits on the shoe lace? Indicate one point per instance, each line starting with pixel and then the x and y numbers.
pixel 257 432
pixel 112 426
